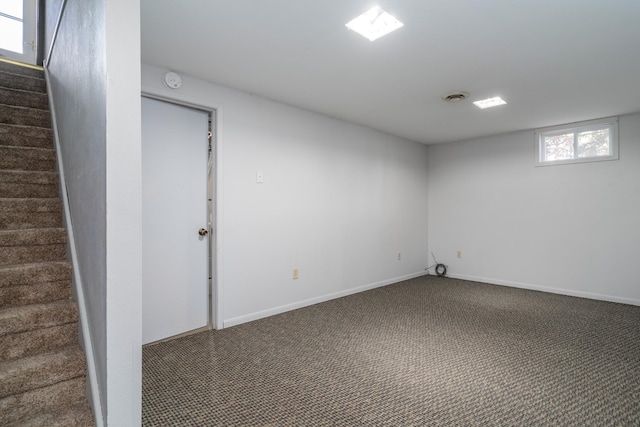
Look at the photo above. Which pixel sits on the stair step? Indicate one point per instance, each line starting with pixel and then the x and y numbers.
pixel 13 115
pixel 35 293
pixel 32 245
pixel 29 373
pixel 33 274
pixel 27 158
pixel 23 98
pixel 78 415
pixel 22 82
pixel 39 341
pixel 18 409
pixel 30 213
pixel 16 255
pixel 14 320
pixel 33 237
pixel 28 184
pixel 9 67
pixel 26 136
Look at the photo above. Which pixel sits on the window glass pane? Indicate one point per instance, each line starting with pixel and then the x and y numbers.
pixel 594 143
pixel 11 8
pixel 10 34
pixel 558 147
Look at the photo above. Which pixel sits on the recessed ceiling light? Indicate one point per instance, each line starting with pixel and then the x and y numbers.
pixel 374 24
pixel 489 102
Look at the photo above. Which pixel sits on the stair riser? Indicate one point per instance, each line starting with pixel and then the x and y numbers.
pixel 15 320
pixel 24 116
pixel 16 409
pixel 23 136
pixel 21 98
pixel 38 342
pixel 37 293
pixel 25 190
pixel 17 81
pixel 28 159
pixel 23 71
pixel 31 254
pixel 49 371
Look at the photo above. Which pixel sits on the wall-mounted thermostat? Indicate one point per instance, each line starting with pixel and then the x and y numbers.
pixel 172 80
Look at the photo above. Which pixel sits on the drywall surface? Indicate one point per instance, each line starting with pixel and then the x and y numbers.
pixel 124 213
pixel 50 15
pixel 570 229
pixel 95 85
pixel 78 84
pixel 338 202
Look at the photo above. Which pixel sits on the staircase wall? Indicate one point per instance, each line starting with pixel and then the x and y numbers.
pixel 93 62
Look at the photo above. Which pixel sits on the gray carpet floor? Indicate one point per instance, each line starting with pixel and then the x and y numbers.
pixel 425 352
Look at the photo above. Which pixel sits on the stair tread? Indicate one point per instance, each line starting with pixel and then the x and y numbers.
pixel 24 98
pixel 33 236
pixel 18 408
pixel 9 67
pixel 38 341
pixel 28 373
pixel 34 293
pixel 50 204
pixel 20 184
pixel 78 415
pixel 21 135
pixel 11 275
pixel 28 176
pixel 22 158
pixel 11 114
pixel 35 316
pixel 27 149
pixel 22 82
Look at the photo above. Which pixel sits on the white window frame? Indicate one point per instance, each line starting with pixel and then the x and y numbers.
pixel 610 123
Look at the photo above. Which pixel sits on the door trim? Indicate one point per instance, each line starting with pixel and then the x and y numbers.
pixel 30 18
pixel 215 184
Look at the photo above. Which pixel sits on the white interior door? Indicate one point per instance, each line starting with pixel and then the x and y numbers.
pixel 18 30
pixel 175 271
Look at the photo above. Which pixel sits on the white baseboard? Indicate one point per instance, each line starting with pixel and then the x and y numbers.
pixel 92 376
pixel 560 291
pixel 311 301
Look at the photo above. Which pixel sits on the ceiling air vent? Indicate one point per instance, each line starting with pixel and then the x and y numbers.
pixel 455 96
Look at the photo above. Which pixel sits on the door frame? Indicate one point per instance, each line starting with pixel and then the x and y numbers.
pixel 30 16
pixel 214 187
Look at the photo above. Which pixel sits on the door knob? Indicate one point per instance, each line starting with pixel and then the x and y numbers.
pixel 203 232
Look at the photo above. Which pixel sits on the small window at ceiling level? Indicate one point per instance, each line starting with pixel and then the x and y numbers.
pixel 591 141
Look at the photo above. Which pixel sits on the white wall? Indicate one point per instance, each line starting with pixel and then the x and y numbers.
pixel 570 229
pixel 95 83
pixel 338 202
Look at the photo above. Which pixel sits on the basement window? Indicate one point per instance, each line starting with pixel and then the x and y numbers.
pixel 591 141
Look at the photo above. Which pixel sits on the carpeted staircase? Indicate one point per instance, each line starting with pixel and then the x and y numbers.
pixel 42 367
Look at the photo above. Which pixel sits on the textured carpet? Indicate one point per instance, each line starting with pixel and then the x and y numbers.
pixel 426 352
pixel 42 367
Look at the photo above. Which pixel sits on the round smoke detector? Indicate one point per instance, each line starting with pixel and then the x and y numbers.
pixel 455 96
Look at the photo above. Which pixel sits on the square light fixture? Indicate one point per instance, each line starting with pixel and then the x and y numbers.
pixel 374 24
pixel 489 102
